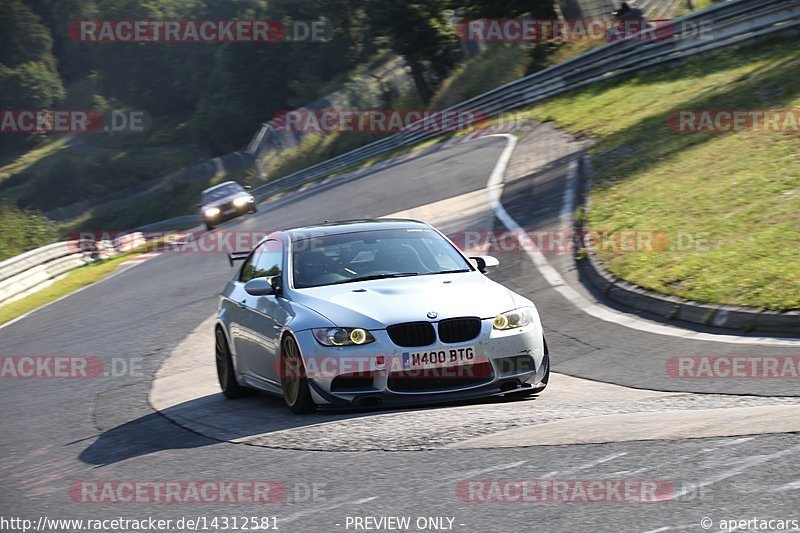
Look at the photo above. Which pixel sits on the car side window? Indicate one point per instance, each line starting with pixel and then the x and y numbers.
pixel 264 262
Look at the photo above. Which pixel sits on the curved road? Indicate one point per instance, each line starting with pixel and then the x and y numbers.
pixel 59 434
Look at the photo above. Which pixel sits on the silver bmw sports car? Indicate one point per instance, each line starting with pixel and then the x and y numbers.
pixel 368 313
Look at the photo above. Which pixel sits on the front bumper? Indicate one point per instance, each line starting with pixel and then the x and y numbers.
pixel 228 213
pixel 510 360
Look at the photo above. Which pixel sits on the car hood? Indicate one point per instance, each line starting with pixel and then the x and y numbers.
pixel 378 303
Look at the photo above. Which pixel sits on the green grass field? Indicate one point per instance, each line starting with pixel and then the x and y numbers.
pixel 740 192
pixel 74 280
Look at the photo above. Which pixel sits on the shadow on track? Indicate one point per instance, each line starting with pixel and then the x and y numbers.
pixel 212 419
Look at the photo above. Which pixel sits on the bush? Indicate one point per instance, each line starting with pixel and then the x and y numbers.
pixel 22 230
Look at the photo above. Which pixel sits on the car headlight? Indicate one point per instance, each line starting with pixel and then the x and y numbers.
pixel 513 319
pixel 242 200
pixel 343 336
pixel 211 212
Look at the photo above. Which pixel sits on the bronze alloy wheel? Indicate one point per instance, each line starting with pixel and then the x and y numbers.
pixel 294 382
pixel 225 374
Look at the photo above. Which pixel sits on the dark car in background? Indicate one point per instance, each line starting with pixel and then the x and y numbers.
pixel 225 201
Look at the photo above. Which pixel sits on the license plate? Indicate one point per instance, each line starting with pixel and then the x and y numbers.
pixel 230 211
pixel 441 358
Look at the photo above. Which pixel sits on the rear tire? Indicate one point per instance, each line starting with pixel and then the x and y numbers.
pixel 294 382
pixel 225 373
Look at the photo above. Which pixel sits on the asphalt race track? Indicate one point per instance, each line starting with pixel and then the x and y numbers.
pixel 725 448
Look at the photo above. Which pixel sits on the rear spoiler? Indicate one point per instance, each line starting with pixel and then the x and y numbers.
pixel 237 256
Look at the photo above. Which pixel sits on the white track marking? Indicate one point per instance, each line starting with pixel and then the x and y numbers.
pixel 592 464
pixel 630 473
pixel 568 204
pixel 494 189
pixel 747 465
pixel 736 441
pixel 794 485
pixel 472 473
pixel 301 514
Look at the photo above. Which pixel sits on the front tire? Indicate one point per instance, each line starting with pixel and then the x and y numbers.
pixel 209 226
pixel 225 373
pixel 294 382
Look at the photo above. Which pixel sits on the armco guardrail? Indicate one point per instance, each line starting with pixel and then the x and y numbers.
pixel 727 24
pixel 22 273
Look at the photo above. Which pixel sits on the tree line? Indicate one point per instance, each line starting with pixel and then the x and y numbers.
pixel 223 91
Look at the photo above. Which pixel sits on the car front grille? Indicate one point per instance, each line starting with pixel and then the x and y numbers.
pixel 412 334
pixel 440 379
pixel 459 329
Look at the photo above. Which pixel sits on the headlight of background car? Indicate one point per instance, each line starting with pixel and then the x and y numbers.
pixel 211 212
pixel 242 200
pixel 343 336
pixel 513 319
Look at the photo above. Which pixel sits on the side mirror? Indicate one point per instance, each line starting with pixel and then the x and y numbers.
pixel 199 206
pixel 237 256
pixel 259 287
pixel 482 262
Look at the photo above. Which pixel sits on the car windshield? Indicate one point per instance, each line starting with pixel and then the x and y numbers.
pixel 221 192
pixel 376 254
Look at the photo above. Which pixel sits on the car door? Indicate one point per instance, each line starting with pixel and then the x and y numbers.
pixel 239 318
pixel 263 317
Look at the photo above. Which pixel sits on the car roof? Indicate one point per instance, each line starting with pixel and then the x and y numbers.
pixel 219 185
pixel 352 226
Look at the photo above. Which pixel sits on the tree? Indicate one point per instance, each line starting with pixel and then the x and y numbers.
pixel 28 75
pixel 538 9
pixel 504 8
pixel 57 15
pixel 421 33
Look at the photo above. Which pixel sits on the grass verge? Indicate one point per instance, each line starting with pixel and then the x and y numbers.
pixel 497 65
pixel 74 280
pixel 730 203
